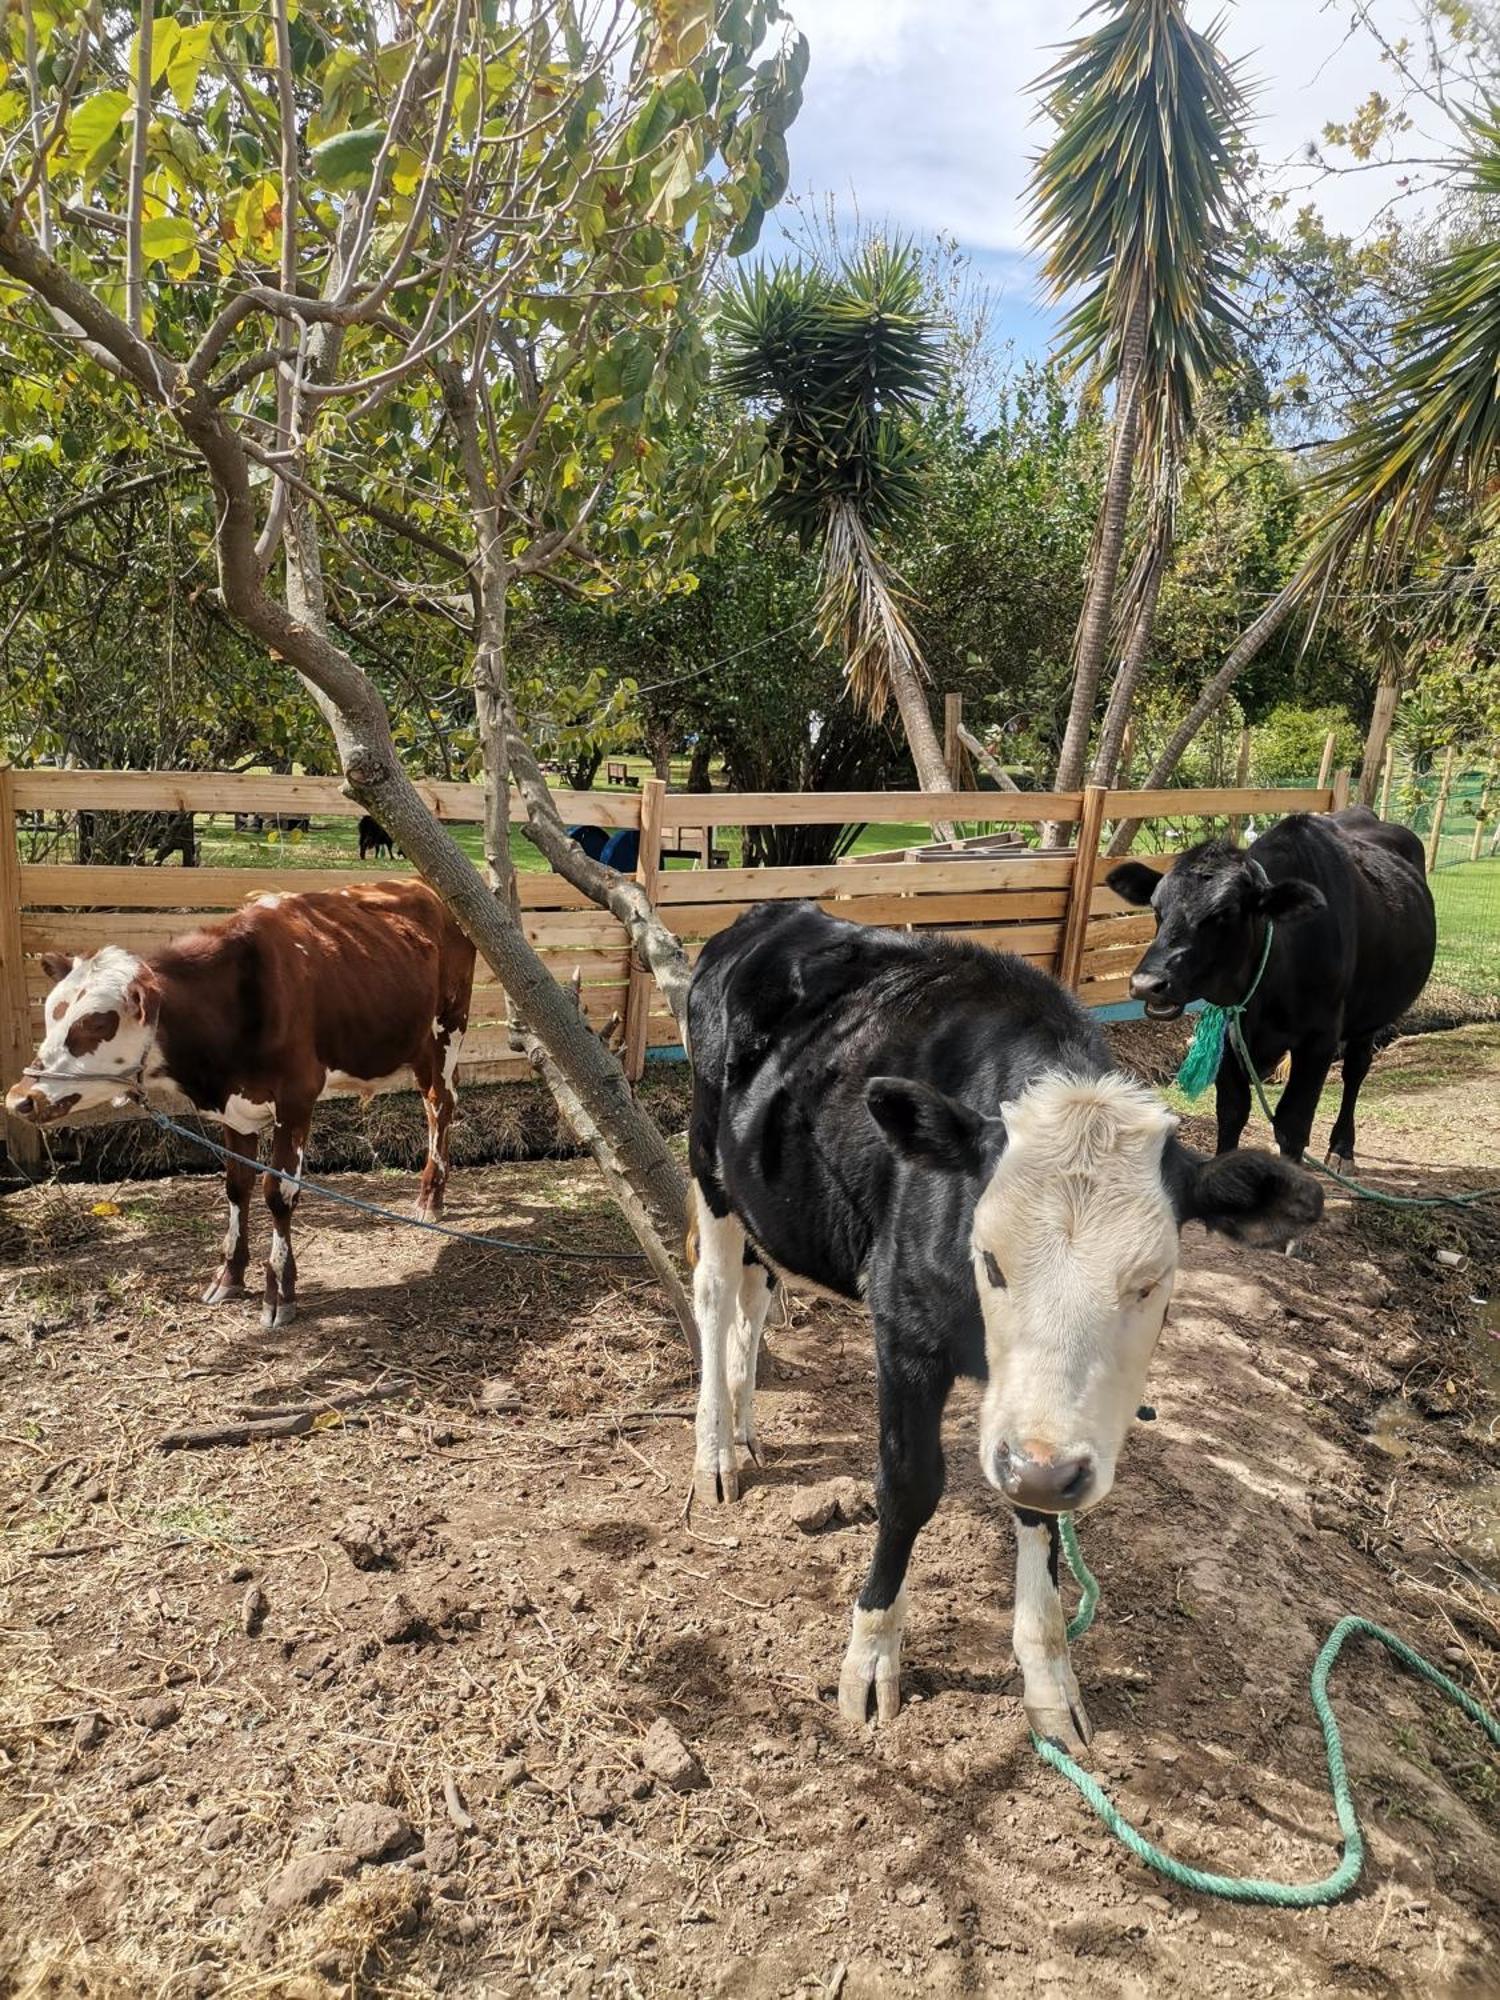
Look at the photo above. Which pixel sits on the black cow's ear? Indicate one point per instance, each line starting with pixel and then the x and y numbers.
pixel 1257 1198
pixel 1285 902
pixel 1134 882
pixel 924 1126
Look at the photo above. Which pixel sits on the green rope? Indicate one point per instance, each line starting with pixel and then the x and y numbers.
pixel 1251 1888
pixel 1206 1050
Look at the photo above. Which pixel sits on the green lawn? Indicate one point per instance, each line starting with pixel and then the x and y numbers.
pixel 1467 896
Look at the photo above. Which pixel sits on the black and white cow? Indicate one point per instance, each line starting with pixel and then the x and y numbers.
pixel 1353 943
pixel 937 1129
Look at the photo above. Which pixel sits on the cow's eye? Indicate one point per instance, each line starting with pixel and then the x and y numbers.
pixel 993 1271
pixel 1139 1293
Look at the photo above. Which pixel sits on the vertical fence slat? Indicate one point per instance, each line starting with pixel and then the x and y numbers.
pixel 1341 782
pixel 1081 891
pixel 1440 810
pixel 648 868
pixel 23 1143
pixel 1385 782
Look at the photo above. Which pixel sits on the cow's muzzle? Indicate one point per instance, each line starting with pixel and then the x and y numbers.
pixel 1030 1475
pixel 1157 992
pixel 35 1107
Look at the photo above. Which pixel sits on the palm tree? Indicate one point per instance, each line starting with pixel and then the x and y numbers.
pixel 841 361
pixel 1132 199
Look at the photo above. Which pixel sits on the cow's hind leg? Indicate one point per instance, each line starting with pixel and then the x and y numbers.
pixel 717 1273
pixel 435 1079
pixel 239 1179
pixel 288 1143
pixel 907 1493
pixel 1358 1055
pixel 1039 1636
pixel 1311 1062
pixel 757 1288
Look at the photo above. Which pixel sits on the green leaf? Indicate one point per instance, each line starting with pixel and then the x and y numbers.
pixel 95 131
pixel 348 159
pixel 184 67
pixel 166 236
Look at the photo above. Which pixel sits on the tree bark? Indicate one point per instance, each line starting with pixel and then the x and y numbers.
pixel 1213 692
pixel 1094 621
pixel 921 734
pixel 1127 677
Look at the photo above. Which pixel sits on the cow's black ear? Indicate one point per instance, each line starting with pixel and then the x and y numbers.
pixel 1257 1198
pixel 1134 882
pixel 924 1126
pixel 1285 902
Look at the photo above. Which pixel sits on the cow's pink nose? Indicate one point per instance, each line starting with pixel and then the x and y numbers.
pixel 21 1101
pixel 1030 1476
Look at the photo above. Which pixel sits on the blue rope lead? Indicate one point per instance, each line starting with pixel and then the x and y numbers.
pixel 1252 1888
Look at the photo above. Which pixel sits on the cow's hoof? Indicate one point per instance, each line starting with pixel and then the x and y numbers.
pixel 274 1316
pixel 222 1289
pixel 1341 1163
pixel 1063 1721
pixel 428 1211
pixel 862 1678
pixel 748 1441
pixel 713 1484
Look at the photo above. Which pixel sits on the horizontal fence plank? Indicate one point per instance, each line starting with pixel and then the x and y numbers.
pixel 757 885
pixel 1007 906
pixel 74 886
pixel 1138 927
pixel 1105 992
pixel 1189 804
pixel 681 809
pixel 87 930
pixel 250 792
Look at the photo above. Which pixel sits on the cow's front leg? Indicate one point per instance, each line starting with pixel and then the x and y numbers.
pixel 1231 1100
pixel 288 1143
pixel 239 1179
pixel 1039 1636
pixel 717 1275
pixel 435 1078
pixel 1358 1055
pixel 1311 1062
pixel 907 1493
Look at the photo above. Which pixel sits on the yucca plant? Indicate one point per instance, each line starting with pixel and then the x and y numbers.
pixel 1426 439
pixel 840 361
pixel 1132 201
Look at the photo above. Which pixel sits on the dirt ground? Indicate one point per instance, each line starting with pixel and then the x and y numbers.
pixel 378 1708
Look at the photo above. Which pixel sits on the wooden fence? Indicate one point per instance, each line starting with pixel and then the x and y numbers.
pixel 1048 907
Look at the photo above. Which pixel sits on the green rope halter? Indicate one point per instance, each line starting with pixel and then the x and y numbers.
pixel 1206 1050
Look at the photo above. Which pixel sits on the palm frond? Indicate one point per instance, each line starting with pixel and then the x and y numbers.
pixel 861 611
pixel 1427 438
pixel 1133 198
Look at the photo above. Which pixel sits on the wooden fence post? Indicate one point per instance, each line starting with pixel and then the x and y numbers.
pixel 1081 888
pixel 647 869
pixel 1385 782
pixel 1342 780
pixel 1438 811
pixel 1325 768
pixel 953 744
pixel 23 1141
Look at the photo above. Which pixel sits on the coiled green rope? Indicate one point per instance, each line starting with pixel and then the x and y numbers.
pixel 1251 1888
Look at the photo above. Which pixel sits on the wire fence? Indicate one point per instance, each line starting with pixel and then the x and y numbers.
pixel 1460 828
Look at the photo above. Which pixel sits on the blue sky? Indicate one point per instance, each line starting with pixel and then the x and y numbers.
pixel 917 112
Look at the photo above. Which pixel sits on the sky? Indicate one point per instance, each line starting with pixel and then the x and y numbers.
pixel 918 114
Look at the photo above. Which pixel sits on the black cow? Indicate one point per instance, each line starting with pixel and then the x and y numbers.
pixel 937 1129
pixel 1352 946
pixel 373 839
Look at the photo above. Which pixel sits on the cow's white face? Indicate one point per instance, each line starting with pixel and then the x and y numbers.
pixel 100 1017
pixel 1075 1254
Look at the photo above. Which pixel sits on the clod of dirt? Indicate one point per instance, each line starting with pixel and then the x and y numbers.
pixel 307 1879
pixel 367 1541
pixel 253 1608
pixel 836 1503
pixel 500 1395
pixel 511 1773
pixel 157 1711
pixel 401 1624
pixel 668 1759
pixel 90 1731
pixel 372 1832
pixel 440 1855
pixel 222 1831
pixel 241 1573
pixel 145 1773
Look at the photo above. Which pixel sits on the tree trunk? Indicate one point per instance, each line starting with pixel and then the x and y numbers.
pixel 1377 736
pixel 921 735
pixel 1109 542
pixel 1127 677
pixel 1213 692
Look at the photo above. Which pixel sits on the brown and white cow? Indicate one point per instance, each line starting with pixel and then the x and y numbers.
pixel 252 1019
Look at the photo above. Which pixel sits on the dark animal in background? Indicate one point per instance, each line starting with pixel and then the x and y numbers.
pixel 1355 933
pixel 253 1019
pixel 373 839
pixel 937 1129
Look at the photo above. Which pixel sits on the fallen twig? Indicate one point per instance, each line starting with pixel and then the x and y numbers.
pixel 278 1422
pixel 375 1392
pixel 458 1812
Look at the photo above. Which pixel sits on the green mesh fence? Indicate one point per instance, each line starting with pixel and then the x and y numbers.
pixel 1464 868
